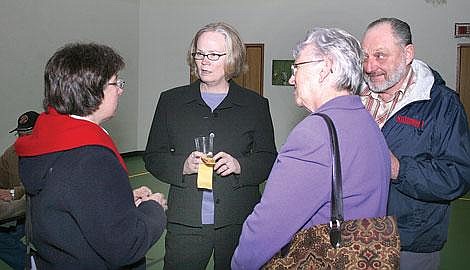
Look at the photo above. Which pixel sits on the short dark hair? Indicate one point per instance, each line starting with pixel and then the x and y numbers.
pixel 400 28
pixel 76 75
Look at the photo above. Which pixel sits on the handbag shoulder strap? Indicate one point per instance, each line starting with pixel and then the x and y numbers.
pixel 336 184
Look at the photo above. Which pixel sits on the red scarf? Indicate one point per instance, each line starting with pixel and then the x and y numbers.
pixel 55 132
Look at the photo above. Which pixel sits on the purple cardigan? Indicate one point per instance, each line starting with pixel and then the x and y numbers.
pixel 298 189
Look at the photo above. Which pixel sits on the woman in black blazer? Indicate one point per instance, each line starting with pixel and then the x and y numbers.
pixel 202 221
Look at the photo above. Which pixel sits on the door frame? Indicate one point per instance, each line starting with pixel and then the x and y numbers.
pixel 459 49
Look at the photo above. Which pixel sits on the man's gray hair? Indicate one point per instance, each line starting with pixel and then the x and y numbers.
pixel 401 29
pixel 343 49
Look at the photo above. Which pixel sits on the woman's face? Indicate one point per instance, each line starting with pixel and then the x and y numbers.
pixel 211 72
pixel 110 102
pixel 303 78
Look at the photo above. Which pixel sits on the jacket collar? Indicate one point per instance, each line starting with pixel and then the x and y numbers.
pixel 55 132
pixel 347 102
pixel 233 98
pixel 424 81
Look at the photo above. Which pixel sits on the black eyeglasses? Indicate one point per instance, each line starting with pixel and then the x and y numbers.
pixel 294 66
pixel 210 56
pixel 119 83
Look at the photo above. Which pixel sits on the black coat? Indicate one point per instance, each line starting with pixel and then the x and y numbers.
pixel 83 211
pixel 243 128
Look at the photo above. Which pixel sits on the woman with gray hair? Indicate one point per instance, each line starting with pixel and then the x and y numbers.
pixel 326 73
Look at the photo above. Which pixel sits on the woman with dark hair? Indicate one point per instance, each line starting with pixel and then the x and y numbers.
pixel 84 213
pixel 203 221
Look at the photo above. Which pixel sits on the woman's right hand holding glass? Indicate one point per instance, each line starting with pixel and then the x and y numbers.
pixel 191 164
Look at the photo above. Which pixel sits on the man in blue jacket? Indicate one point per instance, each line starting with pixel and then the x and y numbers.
pixel 427 133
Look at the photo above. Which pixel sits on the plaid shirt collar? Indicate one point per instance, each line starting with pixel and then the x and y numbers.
pixel 382 110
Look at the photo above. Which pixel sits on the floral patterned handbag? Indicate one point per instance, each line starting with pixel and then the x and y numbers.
pixel 366 243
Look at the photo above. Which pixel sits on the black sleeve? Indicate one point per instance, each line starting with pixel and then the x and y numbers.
pixel 103 207
pixel 158 158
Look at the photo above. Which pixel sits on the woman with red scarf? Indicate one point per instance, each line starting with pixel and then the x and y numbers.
pixel 84 212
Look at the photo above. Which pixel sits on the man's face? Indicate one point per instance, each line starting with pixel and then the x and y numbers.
pixel 385 61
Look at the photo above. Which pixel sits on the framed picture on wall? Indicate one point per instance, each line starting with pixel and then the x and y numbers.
pixel 281 72
pixel 462 30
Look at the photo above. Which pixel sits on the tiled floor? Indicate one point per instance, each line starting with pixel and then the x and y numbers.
pixel 455 256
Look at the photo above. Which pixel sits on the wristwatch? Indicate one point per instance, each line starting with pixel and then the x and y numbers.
pixel 12 193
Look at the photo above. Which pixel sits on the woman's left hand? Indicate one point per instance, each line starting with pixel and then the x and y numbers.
pixel 141 193
pixel 226 164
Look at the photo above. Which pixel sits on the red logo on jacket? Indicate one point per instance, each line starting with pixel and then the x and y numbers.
pixel 410 121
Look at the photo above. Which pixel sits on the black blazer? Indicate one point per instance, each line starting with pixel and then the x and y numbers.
pixel 243 128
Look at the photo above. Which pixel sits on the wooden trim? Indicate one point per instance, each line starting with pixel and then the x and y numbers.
pixel 261 47
pixel 459 47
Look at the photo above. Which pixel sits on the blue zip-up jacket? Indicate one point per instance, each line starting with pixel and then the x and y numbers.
pixel 430 138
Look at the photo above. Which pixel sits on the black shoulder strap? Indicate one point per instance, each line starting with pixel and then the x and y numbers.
pixel 336 185
pixel 29 232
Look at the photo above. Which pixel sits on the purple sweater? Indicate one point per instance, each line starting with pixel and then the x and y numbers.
pixel 298 189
